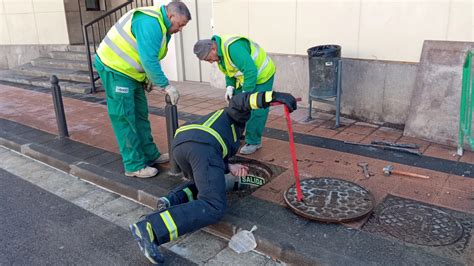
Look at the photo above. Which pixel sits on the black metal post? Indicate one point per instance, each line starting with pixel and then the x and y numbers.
pixel 89 59
pixel 59 107
pixel 171 115
pixel 338 92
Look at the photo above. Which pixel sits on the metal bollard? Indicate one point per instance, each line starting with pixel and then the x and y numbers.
pixel 59 107
pixel 171 115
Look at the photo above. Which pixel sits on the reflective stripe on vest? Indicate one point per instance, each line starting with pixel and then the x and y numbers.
pixel 206 126
pixel 268 96
pixel 234 135
pixel 264 64
pixel 119 50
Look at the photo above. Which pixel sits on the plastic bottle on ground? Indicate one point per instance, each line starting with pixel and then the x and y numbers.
pixel 243 241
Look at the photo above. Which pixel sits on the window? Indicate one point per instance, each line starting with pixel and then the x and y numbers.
pixel 92 5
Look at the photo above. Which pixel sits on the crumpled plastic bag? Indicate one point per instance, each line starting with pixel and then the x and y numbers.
pixel 243 241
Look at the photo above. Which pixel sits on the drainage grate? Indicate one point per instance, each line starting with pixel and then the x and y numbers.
pixel 330 200
pixel 437 229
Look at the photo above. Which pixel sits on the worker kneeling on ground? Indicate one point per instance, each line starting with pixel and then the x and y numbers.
pixel 202 150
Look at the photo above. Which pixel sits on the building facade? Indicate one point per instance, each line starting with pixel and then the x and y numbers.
pixel 382 41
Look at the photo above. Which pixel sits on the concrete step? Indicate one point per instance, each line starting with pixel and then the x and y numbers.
pixel 70 86
pixel 62 74
pixel 79 48
pixel 69 55
pixel 60 63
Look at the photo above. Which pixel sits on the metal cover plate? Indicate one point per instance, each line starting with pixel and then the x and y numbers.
pixel 432 228
pixel 330 200
pixel 422 225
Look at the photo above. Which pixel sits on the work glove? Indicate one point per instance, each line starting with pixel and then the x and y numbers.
pixel 173 93
pixel 229 93
pixel 286 99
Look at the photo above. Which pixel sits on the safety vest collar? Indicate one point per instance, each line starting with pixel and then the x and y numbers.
pixel 218 41
pixel 166 20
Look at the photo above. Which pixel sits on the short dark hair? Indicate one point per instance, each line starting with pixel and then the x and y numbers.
pixel 179 8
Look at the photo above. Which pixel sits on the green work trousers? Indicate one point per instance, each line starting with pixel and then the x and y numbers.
pixel 258 118
pixel 128 112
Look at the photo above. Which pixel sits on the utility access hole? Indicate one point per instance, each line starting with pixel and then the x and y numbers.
pixel 437 229
pixel 330 200
pixel 259 175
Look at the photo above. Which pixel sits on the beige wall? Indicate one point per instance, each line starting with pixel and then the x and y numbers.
pixel 366 29
pixel 32 22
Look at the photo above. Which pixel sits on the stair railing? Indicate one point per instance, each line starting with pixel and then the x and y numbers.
pixel 467 101
pixel 95 31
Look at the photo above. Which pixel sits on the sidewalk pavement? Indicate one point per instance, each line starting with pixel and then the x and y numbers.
pixel 82 204
pixel 320 150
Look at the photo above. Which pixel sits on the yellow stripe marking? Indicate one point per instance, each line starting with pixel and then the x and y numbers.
pixel 213 118
pixel 268 96
pixel 253 101
pixel 233 132
pixel 150 231
pixel 189 193
pixel 170 225
pixel 208 130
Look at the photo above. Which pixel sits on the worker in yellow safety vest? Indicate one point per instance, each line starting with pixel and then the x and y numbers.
pixel 247 68
pixel 128 61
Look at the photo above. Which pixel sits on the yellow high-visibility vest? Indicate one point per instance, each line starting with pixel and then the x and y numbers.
pixel 264 64
pixel 119 50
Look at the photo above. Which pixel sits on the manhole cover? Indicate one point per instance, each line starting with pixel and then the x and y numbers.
pixel 422 225
pixel 330 200
pixel 432 228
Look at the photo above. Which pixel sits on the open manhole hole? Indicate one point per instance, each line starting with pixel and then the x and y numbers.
pixel 330 200
pixel 431 227
pixel 259 175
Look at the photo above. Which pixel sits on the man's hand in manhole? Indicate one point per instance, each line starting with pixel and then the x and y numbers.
pixel 238 169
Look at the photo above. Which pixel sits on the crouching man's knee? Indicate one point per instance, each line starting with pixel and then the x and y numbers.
pixel 215 211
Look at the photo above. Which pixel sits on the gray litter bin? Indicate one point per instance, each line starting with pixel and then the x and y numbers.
pixel 324 63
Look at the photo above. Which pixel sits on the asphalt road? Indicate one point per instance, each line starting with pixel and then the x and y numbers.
pixel 40 228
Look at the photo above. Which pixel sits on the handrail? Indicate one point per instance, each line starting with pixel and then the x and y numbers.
pixel 466 106
pixel 112 17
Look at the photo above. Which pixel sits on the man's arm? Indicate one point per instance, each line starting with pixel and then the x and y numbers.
pixel 245 102
pixel 230 81
pixel 239 52
pixel 147 31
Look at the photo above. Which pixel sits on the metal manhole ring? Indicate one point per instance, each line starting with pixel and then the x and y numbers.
pixel 421 225
pixel 330 200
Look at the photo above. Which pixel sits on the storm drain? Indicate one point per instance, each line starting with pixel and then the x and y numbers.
pixel 259 175
pixel 330 200
pixel 438 229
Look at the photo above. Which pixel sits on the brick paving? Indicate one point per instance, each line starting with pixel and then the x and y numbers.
pixel 88 123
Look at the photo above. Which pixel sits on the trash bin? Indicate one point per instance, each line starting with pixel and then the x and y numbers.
pixel 323 61
pixel 325 67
